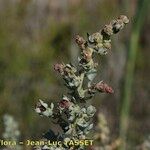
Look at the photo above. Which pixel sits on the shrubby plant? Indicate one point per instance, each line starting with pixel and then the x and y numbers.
pixel 11 132
pixel 145 145
pixel 73 114
pixel 102 136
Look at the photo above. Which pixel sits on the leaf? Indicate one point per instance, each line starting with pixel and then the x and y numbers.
pixel 91 74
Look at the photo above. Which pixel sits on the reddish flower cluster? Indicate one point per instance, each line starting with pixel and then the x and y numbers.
pixel 115 26
pixel 59 68
pixel 81 42
pixel 103 87
pixel 64 104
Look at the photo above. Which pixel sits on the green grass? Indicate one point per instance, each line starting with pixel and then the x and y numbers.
pixel 138 20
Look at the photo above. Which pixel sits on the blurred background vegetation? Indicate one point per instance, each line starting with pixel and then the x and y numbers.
pixel 35 34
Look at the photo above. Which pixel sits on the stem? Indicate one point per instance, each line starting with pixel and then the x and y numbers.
pixel 82 79
pixel 127 93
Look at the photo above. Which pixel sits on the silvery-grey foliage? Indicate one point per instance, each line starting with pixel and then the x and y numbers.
pixel 11 131
pixel 77 122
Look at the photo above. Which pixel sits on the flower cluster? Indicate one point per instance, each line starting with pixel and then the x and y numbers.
pixel 102 135
pixel 103 130
pixel 72 113
pixel 11 132
pixel 145 145
pixel 101 87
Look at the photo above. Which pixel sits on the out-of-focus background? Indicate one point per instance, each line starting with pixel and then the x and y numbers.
pixel 35 34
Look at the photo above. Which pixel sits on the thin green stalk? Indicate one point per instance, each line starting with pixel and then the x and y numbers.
pixel 127 93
